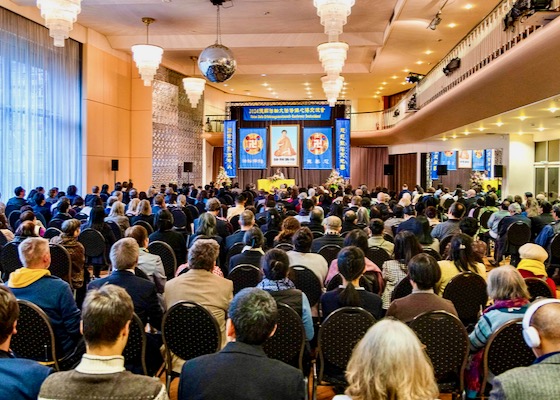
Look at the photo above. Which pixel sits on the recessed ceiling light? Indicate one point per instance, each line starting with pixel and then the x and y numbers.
pixel 553 109
pixel 428 52
pixel 406 70
pixel 394 77
pixel 277 97
pixel 306 83
pixel 274 93
pixel 541 129
pixel 444 139
pixel 375 96
pixel 231 90
pixel 403 83
pixel 452 25
pixel 380 88
pixel 499 124
pixel 467 133
pixel 522 117
pixel 225 84
pixel 481 129
pixel 378 92
pixel 263 74
pixel 383 83
pixel 454 136
pixel 419 62
pixel 269 89
pixel 265 84
pixel 468 6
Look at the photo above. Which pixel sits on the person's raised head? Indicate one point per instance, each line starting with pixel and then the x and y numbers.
pixel 34 253
pixel 332 224
pixel 124 254
pixel 9 313
pixel 302 240
pixel 19 191
pixel 254 237
pixel 246 219
pixel 456 210
pixel 541 326
pixel 398 211
pixel 240 199
pixel 159 200
pixel 506 283
pixel 307 204
pixel 316 215
pixel 203 254
pixel 138 233
pixel 252 316
pixel 106 314
pixel 546 207
pixel 275 264
pixel 424 271
pixel 376 226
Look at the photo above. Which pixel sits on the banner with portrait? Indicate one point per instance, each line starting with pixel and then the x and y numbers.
pixel 479 160
pixel 465 159
pixel 252 148
pixel 230 161
pixel 342 147
pixel 317 148
pixel 448 158
pixel 284 145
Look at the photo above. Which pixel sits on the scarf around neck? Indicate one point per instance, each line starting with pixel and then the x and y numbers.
pixel 276 286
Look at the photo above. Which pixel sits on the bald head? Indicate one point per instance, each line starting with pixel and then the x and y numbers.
pixel 547 321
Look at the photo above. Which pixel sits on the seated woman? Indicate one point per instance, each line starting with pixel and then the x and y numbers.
pixel 351 264
pixel 511 299
pixel 470 226
pixel 432 215
pixel 117 216
pixel 41 206
pixel 207 229
pixel 165 233
pixel 425 238
pixel 390 363
pixel 4 227
pixel 358 238
pixel 132 209
pixel 276 267
pixel 252 252
pixel 424 273
pixel 69 240
pixel 532 265
pixel 301 255
pixel 289 226
pixel 462 259
pixel 273 221
pixel 30 216
pixel 144 213
pixel 406 247
pixel 25 229
pixel 97 222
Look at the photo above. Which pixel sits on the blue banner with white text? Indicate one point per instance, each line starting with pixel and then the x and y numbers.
pixel 479 160
pixel 342 147
pixel 252 148
pixel 434 162
pixel 299 113
pixel 230 159
pixel 448 158
pixel 317 148
pixel 490 162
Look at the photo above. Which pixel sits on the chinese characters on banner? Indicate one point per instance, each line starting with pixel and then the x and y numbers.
pixel 317 149
pixel 465 159
pixel 252 148
pixel 479 160
pixel 284 145
pixel 342 147
pixel 299 113
pixel 490 162
pixel 448 158
pixel 230 161
pixel 433 166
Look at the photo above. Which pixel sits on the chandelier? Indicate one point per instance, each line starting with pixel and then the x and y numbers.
pixel 332 55
pixel 332 85
pixel 59 17
pixel 194 87
pixel 146 56
pixel 333 14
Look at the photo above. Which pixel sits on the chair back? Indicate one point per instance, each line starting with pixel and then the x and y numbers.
pixel 167 255
pixel 505 350
pixel 467 292
pixel 443 244
pixel 115 228
pixel 447 345
pixel 189 331
pixel 317 234
pixel 538 288
pixel 35 337
pixel 554 251
pixel 41 218
pixel 285 246
pixel 329 252
pixel 244 276
pixel 403 289
pixel 93 243
pixel 305 280
pixel 388 238
pixel 61 263
pixel 484 218
pixel 269 238
pixel 9 259
pixel 447 203
pixel 3 240
pixel 13 218
pixel 56 223
pixel 288 342
pixel 234 250
pixel 179 218
pixel 433 253
pixel 338 335
pixel 378 255
pixel 134 352
pixel 193 210
pixel 146 225
pixel 52 232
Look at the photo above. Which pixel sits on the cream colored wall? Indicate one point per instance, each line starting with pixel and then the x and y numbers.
pixel 520 169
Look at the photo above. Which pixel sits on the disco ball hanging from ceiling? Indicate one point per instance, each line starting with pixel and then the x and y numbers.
pixel 217 63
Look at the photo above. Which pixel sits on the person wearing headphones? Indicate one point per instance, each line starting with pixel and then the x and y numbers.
pixel 541 331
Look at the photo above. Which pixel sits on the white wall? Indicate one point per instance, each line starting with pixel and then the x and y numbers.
pixel 520 169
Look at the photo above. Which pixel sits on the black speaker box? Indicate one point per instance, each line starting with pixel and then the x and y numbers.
pixel 442 170
pixel 187 167
pixel 498 171
pixel 388 169
pixel 114 165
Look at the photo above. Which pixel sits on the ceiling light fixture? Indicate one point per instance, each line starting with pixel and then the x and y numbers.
pixel 332 86
pixel 499 124
pixel 59 16
pixel 194 87
pixel 334 15
pixel 332 55
pixel 553 109
pixel 437 19
pixel 146 56
pixel 217 62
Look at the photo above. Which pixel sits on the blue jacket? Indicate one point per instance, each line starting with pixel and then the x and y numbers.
pixel 21 379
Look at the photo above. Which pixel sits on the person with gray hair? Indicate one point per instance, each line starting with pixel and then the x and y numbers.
pixel 34 283
pixel 514 216
pixel 246 222
pixel 101 374
pixel 242 370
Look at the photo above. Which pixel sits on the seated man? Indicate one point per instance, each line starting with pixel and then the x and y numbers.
pixel 376 227
pixel 246 222
pixel 332 226
pixel 316 220
pixel 21 379
pixel 101 373
pixel 34 283
pixel 242 370
pixel 514 210
pixel 541 330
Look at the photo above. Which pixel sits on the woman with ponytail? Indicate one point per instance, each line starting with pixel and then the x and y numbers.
pixel 276 265
pixel 351 265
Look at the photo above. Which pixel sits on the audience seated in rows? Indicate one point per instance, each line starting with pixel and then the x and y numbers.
pixel 301 254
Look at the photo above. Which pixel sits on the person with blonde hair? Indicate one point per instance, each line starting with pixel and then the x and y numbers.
pixel 144 213
pixel 132 209
pixel 389 363
pixel 117 216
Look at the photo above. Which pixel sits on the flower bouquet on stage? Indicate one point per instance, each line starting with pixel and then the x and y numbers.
pixel 335 180
pixel 222 179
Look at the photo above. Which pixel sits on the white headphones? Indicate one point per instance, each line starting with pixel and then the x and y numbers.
pixel 530 333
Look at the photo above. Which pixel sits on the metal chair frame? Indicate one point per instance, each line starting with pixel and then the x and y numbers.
pixel 136 329
pixel 243 269
pixel 170 268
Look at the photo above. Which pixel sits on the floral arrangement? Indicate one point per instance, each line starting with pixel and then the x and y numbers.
pixel 222 178
pixel 274 178
pixel 477 178
pixel 335 180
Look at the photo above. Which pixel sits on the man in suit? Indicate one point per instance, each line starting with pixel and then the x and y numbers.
pixel 451 226
pixel 246 222
pixel 242 370
pixel 541 330
pixel 410 222
pixel 333 226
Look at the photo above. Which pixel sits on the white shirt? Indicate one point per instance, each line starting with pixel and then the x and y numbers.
pixel 315 262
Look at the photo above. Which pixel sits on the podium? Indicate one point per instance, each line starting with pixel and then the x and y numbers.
pixel 266 184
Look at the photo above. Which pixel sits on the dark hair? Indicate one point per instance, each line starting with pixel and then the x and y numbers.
pixel 357 238
pixel 78 201
pixel 351 265
pixel 307 204
pixel 27 216
pixel 350 216
pixel 275 264
pixel 490 201
pixel 273 219
pixel 40 197
pixel 253 237
pixel 457 210
pixel 546 207
pixel 462 254
pixel 163 220
pixel 431 212
pixel 9 313
pixel 26 229
pixel 425 236
pixel 406 246
pixel 71 190
pixel 302 240
pixel 241 198
pixel 96 218
pixel 398 211
pixel 424 270
pixel 376 226
pixel 63 206
pixel 336 210
pixel 505 205
pixel 18 190
pixel 253 314
pixel 469 226
pixel 70 226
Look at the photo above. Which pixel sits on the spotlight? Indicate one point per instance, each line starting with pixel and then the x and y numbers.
pixel 435 22
pixel 414 77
